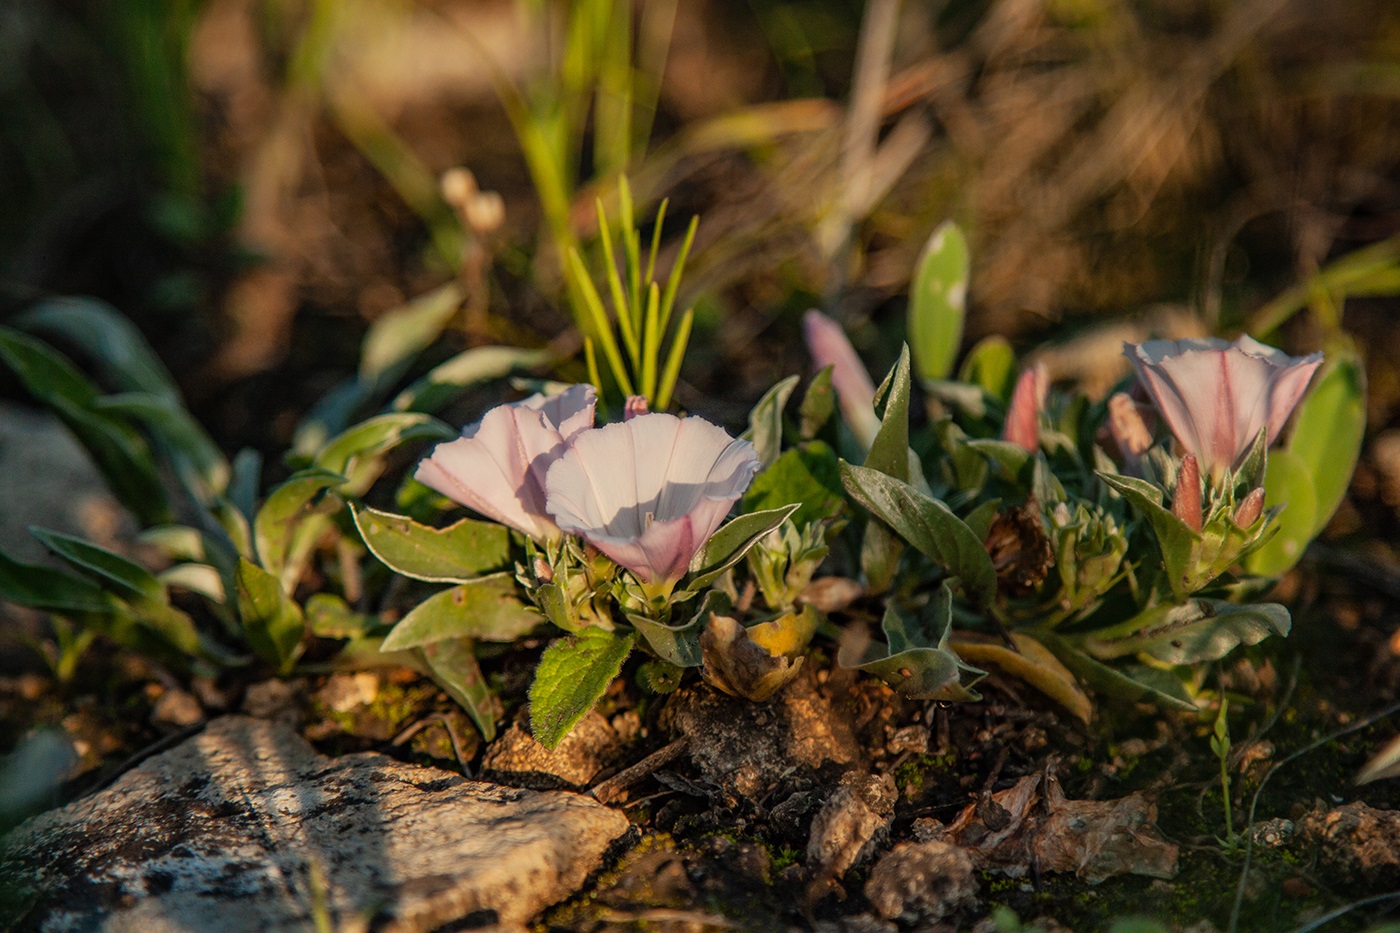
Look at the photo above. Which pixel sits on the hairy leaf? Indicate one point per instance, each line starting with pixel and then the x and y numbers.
pixel 573 674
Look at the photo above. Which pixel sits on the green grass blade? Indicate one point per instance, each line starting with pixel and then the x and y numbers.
pixel 652 332
pixel 673 281
pixel 620 302
pixel 673 362
pixel 594 305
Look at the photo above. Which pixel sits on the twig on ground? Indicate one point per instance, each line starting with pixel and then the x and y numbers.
pixel 605 791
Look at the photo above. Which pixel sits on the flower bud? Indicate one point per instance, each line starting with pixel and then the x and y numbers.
pixel 1186 501
pixel 1250 508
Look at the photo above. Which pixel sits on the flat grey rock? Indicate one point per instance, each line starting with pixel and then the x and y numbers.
pixel 247 827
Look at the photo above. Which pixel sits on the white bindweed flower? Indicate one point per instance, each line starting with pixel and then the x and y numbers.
pixel 1216 396
pixel 828 345
pixel 650 492
pixel 498 466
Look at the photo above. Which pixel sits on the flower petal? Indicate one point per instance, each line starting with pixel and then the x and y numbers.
pixel 828 345
pixel 650 491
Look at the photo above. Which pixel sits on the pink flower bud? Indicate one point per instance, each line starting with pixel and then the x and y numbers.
pixel 1186 501
pixel 1250 508
pixel 1027 402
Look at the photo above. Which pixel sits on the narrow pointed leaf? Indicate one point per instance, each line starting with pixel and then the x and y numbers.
pixel 194 455
pixel 397 336
pixel 928 525
pixel 487 609
pixel 1131 683
pixel 110 341
pixel 817 406
pixel 447 381
pixel 357 452
pixel 889 452
pixel 573 674
pixel 38 587
pixel 129 579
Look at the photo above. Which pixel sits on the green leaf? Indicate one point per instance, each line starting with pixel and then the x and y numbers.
pixel 729 544
pixel 399 335
pixel 47 374
pixel 455 554
pixel 991 366
pixel 573 674
pixel 808 475
pixel 447 381
pixel 38 587
pixel 927 524
pixel 679 645
pixel 766 421
pixel 193 454
pixel 272 621
pixel 1130 683
pixel 1176 539
pixel 916 660
pixel 453 665
pixel 357 452
pixel 110 341
pixel 121 454
pixel 1200 630
pixel 130 579
pixel 1331 425
pixel 938 302
pixel 889 452
pixel 486 609
pixel 329 616
pixel 1288 485
pixel 287 506
pixel 817 406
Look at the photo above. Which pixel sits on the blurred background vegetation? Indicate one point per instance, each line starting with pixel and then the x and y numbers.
pixel 254 182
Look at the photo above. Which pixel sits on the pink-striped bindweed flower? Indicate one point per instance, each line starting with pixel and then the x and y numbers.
pixel 649 492
pixel 855 393
pixel 1217 397
pixel 498 466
